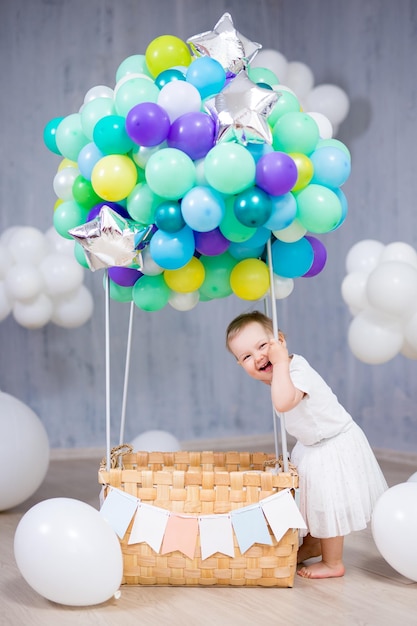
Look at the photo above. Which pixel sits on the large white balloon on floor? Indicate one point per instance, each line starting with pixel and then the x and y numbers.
pixel 156 441
pixel 68 553
pixel 394 523
pixel 24 452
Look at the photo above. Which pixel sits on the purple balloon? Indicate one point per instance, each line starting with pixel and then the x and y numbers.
pixel 193 133
pixel 320 257
pixel 211 242
pixel 124 276
pixel 276 173
pixel 147 124
pixel 118 208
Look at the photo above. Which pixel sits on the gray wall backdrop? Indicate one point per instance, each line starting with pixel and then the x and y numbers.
pixel 182 379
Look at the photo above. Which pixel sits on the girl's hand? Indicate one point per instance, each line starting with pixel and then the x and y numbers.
pixel 277 351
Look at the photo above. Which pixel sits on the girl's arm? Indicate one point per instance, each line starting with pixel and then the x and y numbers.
pixel 285 396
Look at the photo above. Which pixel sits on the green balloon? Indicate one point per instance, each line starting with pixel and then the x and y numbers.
pixel 229 168
pixel 133 92
pixel 170 173
pixel 217 276
pixel 120 293
pixel 135 64
pixel 68 215
pixel 295 132
pixel 287 103
pixel 318 208
pixel 142 204
pixel 94 111
pixel 84 194
pixel 262 75
pixel 79 254
pixel 231 227
pixel 70 136
pixel 151 293
pixel 334 143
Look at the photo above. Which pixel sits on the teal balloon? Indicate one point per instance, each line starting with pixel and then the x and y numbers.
pixel 110 136
pixel 291 260
pixel 167 76
pixel 93 111
pixel 168 217
pixel 242 251
pixel 253 207
pixel 151 293
pixel 318 208
pixel 216 282
pixel 172 250
pixel 49 134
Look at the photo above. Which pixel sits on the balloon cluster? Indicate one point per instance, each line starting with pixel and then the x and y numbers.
pixel 380 289
pixel 213 156
pixel 40 280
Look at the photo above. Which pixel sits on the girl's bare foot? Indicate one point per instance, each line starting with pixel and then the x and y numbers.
pixel 322 570
pixel 309 549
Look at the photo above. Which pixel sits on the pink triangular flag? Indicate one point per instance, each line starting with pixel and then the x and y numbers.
pixel 180 534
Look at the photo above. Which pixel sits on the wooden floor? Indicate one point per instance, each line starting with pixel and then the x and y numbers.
pixel 370 594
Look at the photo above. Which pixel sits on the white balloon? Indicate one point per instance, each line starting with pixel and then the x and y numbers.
pixel 179 97
pixel 283 287
pixel 24 282
pixel 410 331
pixel 272 60
pixel 294 232
pixel 61 273
pixel 156 441
pixel 63 182
pixel 412 478
pixel 5 302
pixel 142 154
pixel 354 290
pixel 324 124
pixel 149 267
pixel 6 260
pixel 59 244
pixel 24 452
pixel 394 523
pixel 330 100
pixel 74 309
pixel 184 301
pixel 300 79
pixel 99 91
pixel 399 251
pixel 374 337
pixel 408 351
pixel 68 553
pixel 33 313
pixel 392 287
pixel 27 243
pixel 364 256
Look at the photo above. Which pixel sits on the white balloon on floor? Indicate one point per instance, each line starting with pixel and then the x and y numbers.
pixel 68 553
pixel 24 452
pixel 394 523
pixel 156 441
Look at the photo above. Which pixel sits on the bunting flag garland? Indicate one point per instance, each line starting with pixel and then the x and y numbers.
pixel 165 531
pixel 149 526
pixel 250 527
pixel 118 509
pixel 216 535
pixel 180 534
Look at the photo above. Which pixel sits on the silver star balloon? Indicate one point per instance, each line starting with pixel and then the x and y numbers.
pixel 241 109
pixel 226 45
pixel 110 240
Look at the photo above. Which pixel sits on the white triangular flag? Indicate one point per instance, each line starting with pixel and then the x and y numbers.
pixel 118 509
pixel 282 513
pixel 149 526
pixel 216 535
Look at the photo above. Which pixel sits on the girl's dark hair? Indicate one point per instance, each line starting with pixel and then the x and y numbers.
pixel 241 321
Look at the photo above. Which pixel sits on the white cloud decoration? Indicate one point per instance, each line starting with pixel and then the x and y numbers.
pixel 380 289
pixel 40 279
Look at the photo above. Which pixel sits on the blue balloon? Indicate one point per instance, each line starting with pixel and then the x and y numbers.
pixel 259 238
pixel 284 209
pixel 207 75
pixel 172 250
pixel 291 260
pixel 343 201
pixel 242 251
pixel 88 156
pixel 203 208
pixel 331 166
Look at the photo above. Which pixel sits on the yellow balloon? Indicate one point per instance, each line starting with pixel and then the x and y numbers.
pixel 305 170
pixel 66 163
pixel 166 51
pixel 249 279
pixel 114 177
pixel 186 279
pixel 57 203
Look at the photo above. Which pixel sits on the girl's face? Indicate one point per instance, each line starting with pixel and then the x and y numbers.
pixel 250 347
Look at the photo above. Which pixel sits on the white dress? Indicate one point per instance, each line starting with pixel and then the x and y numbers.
pixel 340 479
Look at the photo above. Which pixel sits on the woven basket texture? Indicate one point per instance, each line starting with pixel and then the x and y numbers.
pixel 203 483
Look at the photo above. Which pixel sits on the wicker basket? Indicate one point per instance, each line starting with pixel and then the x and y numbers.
pixel 203 483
